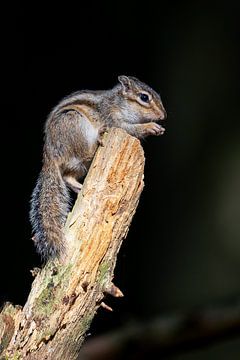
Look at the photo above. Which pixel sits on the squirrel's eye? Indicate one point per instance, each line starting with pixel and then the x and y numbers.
pixel 144 97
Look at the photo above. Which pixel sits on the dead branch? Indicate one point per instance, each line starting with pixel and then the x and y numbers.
pixel 65 296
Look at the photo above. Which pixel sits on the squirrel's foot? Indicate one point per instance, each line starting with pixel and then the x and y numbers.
pixel 101 132
pixel 73 183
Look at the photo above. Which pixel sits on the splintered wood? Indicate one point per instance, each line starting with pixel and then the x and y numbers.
pixel 66 294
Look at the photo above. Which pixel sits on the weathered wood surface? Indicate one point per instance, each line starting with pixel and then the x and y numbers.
pixel 66 295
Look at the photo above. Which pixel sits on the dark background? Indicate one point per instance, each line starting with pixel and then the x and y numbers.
pixel 183 248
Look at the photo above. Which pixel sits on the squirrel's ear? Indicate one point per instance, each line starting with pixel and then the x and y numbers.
pixel 126 83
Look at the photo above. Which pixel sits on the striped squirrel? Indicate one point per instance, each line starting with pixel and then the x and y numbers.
pixel 73 132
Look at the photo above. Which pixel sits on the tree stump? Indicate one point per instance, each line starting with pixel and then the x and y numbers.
pixel 66 294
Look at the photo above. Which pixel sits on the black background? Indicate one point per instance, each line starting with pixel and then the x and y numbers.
pixel 183 248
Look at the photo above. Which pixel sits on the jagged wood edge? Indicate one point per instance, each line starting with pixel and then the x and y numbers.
pixel 65 295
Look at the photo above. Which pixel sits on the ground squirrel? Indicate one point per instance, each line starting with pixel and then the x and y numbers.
pixel 73 131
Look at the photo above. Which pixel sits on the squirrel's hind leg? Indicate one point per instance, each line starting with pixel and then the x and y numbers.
pixel 72 183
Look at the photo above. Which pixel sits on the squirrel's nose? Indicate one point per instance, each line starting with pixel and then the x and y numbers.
pixel 163 114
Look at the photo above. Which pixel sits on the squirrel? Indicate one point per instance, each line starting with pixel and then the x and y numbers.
pixel 73 131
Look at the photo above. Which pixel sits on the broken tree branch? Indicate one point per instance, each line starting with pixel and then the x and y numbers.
pixel 66 295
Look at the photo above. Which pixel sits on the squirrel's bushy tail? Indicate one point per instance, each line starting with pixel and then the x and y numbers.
pixel 49 208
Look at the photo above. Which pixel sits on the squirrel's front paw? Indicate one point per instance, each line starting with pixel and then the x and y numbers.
pixel 153 128
pixel 101 132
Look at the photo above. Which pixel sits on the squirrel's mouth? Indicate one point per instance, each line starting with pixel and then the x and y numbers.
pixel 161 122
pixel 162 115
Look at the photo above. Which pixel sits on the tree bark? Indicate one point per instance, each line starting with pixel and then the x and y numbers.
pixel 66 294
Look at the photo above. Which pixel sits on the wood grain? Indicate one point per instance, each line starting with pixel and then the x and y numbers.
pixel 66 294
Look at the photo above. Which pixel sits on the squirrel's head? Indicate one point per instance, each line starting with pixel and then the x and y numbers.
pixel 143 103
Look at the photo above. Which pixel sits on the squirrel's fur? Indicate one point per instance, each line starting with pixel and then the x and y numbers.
pixel 72 133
